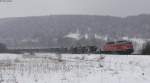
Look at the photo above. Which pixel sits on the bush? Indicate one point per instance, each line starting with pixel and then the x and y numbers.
pixel 3 47
pixel 146 49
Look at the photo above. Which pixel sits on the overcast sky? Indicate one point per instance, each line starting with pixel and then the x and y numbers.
pixel 19 8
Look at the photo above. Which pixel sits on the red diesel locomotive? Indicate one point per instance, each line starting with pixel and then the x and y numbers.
pixel 118 47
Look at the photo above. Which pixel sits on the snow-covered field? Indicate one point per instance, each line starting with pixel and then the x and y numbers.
pixel 74 68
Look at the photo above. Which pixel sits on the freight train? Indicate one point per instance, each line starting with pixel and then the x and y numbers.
pixel 117 47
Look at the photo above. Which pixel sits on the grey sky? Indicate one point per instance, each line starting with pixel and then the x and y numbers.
pixel 97 7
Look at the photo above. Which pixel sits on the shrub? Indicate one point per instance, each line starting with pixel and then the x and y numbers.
pixel 146 49
pixel 3 47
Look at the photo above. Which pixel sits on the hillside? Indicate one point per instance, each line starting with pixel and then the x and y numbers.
pixel 48 31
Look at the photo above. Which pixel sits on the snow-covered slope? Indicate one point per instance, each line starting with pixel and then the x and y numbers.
pixel 74 68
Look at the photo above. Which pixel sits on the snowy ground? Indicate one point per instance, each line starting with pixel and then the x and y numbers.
pixel 74 68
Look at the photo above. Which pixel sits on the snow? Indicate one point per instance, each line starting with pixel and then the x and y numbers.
pixel 73 35
pixel 8 56
pixel 105 38
pixel 74 68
